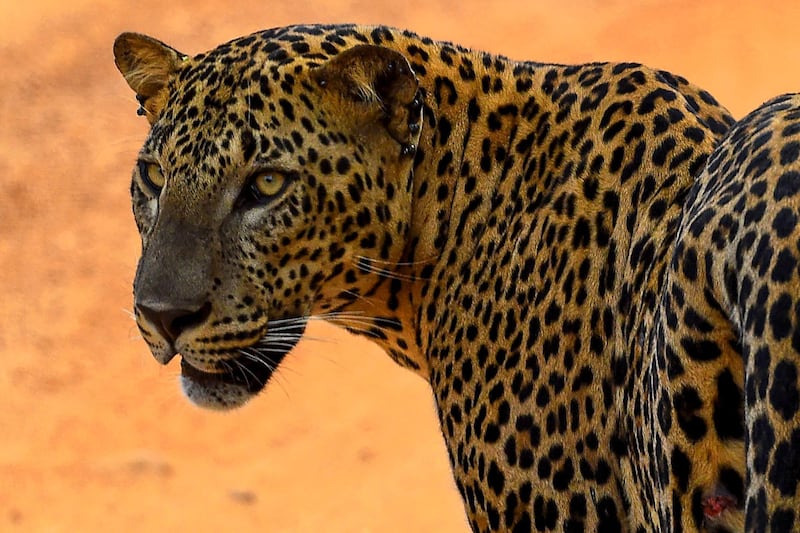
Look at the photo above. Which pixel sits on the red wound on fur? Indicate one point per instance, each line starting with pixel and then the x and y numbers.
pixel 713 506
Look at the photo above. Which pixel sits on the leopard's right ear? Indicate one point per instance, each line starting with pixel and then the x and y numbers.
pixel 147 65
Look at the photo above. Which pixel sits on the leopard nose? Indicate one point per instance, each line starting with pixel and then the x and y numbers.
pixel 171 320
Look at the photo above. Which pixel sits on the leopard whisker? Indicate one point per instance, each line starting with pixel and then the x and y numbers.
pixel 359 330
pixel 258 357
pixel 283 332
pixel 229 368
pixel 295 331
pixel 347 314
pixel 398 263
pixel 278 335
pixel 288 320
pixel 364 320
pixel 291 338
pixel 366 299
pixel 286 345
pixel 319 339
pixel 284 329
pixel 369 268
pixel 261 358
pixel 261 355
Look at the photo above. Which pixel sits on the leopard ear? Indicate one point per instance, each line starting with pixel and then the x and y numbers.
pixel 377 79
pixel 147 65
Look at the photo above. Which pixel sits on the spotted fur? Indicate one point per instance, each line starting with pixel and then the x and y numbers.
pixel 607 318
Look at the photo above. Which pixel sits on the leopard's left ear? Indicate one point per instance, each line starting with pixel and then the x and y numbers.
pixel 147 65
pixel 377 81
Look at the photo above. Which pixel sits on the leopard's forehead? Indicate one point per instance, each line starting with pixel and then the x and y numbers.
pixel 285 44
pixel 250 82
pixel 218 95
pixel 251 103
pixel 290 49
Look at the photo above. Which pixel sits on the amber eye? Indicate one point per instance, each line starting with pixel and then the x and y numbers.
pixel 151 176
pixel 262 187
pixel 268 183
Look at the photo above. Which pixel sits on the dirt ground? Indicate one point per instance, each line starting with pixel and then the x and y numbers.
pixel 94 435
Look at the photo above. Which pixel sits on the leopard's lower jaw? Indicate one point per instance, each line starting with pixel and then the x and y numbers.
pixel 234 381
pixel 216 390
pixel 230 379
pixel 218 396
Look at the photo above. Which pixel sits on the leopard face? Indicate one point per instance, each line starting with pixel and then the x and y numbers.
pixel 556 249
pixel 257 194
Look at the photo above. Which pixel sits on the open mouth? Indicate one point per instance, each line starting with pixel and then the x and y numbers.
pixel 250 368
pixel 240 371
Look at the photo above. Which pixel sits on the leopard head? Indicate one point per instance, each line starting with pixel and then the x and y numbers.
pixel 271 165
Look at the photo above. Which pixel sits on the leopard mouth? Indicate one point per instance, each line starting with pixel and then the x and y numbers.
pixel 241 375
pixel 240 371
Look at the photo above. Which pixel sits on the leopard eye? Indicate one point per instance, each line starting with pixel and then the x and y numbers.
pixel 151 176
pixel 268 184
pixel 263 187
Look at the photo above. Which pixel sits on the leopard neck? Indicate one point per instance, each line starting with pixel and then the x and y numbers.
pixel 471 123
pixel 468 98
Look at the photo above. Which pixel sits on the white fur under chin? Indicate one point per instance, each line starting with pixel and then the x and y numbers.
pixel 218 397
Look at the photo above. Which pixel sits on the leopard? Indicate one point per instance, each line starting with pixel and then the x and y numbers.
pixel 594 266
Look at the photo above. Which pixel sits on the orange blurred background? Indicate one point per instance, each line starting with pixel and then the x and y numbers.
pixel 94 435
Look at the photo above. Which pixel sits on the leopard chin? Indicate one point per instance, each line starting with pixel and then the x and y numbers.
pixel 233 378
pixel 214 395
pixel 227 389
